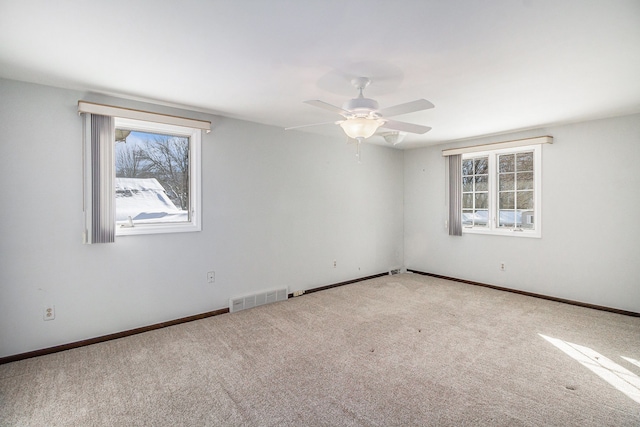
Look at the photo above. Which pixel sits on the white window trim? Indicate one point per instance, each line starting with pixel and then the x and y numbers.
pixel 195 175
pixel 493 193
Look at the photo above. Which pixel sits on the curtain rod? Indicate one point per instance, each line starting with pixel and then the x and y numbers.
pixel 129 113
pixel 497 145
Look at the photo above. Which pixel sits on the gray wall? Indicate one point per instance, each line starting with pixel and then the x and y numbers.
pixel 590 245
pixel 278 208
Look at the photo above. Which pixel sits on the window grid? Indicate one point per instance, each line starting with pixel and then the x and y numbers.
pixel 516 190
pixel 475 192
pixel 501 192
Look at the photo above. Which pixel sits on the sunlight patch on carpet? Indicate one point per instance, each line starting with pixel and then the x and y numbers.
pixel 632 361
pixel 622 379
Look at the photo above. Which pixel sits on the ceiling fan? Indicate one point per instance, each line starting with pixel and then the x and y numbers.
pixel 363 116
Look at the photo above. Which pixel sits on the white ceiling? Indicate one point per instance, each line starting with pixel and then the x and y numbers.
pixel 488 66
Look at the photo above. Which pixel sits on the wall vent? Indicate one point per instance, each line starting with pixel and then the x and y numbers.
pixel 254 300
pixel 397 271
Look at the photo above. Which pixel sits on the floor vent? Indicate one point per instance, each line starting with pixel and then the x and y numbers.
pixel 254 300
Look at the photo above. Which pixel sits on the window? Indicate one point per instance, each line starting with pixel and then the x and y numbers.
pixel 157 177
pixel 141 172
pixel 501 191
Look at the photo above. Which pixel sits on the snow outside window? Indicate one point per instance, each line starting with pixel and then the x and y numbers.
pixel 157 182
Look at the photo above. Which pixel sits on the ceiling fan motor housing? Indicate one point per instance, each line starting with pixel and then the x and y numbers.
pixel 362 107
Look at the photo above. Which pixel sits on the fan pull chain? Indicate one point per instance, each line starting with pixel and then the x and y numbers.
pixel 358 153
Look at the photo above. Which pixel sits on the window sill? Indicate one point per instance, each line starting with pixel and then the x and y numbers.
pixel 156 229
pixel 508 233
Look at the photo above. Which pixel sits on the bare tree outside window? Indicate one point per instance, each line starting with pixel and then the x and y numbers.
pixel 129 161
pixel 167 160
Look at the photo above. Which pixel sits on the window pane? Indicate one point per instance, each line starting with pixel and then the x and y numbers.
pixel 467 201
pixel 506 182
pixel 525 181
pixel 482 201
pixel 524 161
pixel 467 217
pixel 506 163
pixel 525 200
pixel 152 177
pixel 481 165
pixel 506 218
pixel 482 183
pixel 467 183
pixel 475 197
pixel 526 219
pixel 481 218
pixel 507 200
pixel 467 167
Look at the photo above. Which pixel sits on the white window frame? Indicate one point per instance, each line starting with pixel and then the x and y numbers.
pixel 195 176
pixel 492 228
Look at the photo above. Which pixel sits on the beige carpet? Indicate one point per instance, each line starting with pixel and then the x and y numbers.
pixel 393 351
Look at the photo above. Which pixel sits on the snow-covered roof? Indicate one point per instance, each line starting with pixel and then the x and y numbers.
pixel 145 199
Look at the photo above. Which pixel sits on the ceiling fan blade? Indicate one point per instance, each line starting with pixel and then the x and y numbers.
pixel 327 106
pixel 405 127
pixel 408 107
pixel 312 124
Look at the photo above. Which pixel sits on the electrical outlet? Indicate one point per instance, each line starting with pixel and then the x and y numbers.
pixel 503 267
pixel 334 263
pixel 49 312
pixel 211 277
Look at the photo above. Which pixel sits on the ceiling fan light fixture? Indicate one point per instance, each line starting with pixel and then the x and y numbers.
pixel 394 137
pixel 360 127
